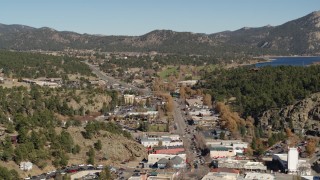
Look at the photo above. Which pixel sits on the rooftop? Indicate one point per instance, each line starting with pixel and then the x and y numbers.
pixel 259 176
pixel 220 148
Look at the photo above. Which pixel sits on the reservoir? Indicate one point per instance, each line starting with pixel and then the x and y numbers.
pixel 290 61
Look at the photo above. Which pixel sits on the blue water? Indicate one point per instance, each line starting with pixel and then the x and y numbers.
pixel 290 61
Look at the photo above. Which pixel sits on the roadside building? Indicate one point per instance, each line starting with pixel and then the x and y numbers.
pixel 220 176
pixel 262 176
pixel 167 141
pixel 194 102
pixel 242 165
pixel 297 166
pixel 153 158
pixel 221 152
pixel 168 150
pixel 149 142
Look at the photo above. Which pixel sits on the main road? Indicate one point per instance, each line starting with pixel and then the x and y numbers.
pixel 111 80
pixel 187 134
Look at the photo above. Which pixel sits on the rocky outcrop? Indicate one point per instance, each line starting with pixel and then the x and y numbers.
pixel 304 115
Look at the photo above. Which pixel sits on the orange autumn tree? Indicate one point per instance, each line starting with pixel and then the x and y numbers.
pixel 311 146
pixel 230 120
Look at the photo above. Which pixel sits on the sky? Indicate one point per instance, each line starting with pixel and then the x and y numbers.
pixel 137 17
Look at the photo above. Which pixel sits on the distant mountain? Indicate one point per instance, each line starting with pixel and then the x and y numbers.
pixel 300 36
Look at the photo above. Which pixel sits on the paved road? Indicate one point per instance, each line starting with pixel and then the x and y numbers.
pixel 188 143
pixel 178 118
pixel 112 80
pixel 83 173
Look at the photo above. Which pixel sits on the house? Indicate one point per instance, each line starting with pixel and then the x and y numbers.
pixel 26 166
pixel 194 102
pixel 204 120
pixel 201 112
pixel 177 162
pixel 163 163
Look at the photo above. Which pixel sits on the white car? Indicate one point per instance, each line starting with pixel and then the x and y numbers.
pixel 100 166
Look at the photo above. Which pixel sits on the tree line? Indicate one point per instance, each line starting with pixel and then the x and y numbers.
pixel 32 65
pixel 254 91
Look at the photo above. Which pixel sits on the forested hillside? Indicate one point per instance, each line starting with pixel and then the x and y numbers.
pixel 257 90
pixel 32 65
pixel 300 36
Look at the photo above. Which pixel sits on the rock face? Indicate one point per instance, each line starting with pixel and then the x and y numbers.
pixel 304 115
pixel 119 148
pixel 116 148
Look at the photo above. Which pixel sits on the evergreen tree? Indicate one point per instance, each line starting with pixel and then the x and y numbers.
pixel 91 156
pixel 98 145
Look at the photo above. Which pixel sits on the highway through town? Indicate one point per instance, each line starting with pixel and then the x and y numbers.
pixel 187 134
pixel 179 120
pixel 111 80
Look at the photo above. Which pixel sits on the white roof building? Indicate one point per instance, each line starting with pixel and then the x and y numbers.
pixel 26 166
pixel 301 166
pixel 220 176
pixel 262 176
pixel 168 140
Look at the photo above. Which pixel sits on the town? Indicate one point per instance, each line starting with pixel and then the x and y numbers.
pixel 185 137
pixel 141 90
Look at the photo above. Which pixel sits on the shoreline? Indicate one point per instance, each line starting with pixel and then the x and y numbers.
pixel 265 59
pixel 275 57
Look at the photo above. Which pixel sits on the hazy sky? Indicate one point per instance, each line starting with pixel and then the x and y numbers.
pixel 137 17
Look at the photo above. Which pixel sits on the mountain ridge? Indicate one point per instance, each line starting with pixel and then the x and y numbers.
pixel 299 36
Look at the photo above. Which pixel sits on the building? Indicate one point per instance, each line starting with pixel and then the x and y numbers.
pixel 168 150
pixel 187 83
pixel 164 176
pixel 167 141
pixel 241 164
pixel 262 176
pixel 221 152
pixel 195 102
pixel 176 162
pixel 293 156
pixel 151 114
pixel 26 166
pixel 149 142
pixel 163 163
pixel 153 158
pixel 224 146
pixel 300 166
pixel 220 176
pixel 214 134
pixel 128 98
